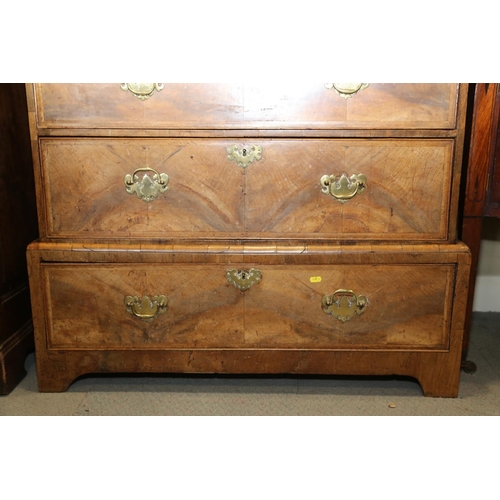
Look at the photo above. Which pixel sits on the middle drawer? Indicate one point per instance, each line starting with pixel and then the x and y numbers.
pixel 379 189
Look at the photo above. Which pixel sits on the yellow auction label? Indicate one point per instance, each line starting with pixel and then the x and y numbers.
pixel 315 279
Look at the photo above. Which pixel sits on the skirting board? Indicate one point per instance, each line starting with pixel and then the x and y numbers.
pixel 487 294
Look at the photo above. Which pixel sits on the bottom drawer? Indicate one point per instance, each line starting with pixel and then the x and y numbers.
pixel 248 309
pixel 130 306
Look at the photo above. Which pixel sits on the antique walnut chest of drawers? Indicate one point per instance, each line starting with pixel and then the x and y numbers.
pixel 236 228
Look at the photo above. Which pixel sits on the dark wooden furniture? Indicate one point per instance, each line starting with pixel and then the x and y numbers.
pixel 18 227
pixel 237 228
pixel 482 185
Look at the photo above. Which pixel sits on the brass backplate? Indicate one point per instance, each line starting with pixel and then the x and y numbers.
pixel 344 304
pixel 146 188
pixel 142 91
pixel 145 308
pixel 343 188
pixel 347 90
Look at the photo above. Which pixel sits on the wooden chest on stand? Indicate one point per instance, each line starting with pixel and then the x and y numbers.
pixel 237 228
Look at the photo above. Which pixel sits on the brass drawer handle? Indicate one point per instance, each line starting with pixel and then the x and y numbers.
pixel 344 304
pixel 346 90
pixel 146 308
pixel 147 188
pixel 142 91
pixel 243 280
pixel 245 155
pixel 343 188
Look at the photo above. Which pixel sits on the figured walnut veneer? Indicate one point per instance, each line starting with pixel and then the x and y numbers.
pixel 393 244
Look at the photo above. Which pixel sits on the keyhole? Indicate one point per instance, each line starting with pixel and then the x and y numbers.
pixel 243 275
pixel 244 151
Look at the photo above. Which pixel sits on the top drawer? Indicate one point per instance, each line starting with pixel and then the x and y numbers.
pixel 247 106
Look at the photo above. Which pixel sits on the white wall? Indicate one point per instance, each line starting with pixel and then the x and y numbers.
pixel 487 294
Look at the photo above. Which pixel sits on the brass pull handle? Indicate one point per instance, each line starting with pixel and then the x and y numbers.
pixel 147 188
pixel 346 90
pixel 243 280
pixel 344 304
pixel 245 155
pixel 146 308
pixel 343 188
pixel 142 91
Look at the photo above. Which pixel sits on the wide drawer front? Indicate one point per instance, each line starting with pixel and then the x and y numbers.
pixel 119 306
pixel 340 189
pixel 247 106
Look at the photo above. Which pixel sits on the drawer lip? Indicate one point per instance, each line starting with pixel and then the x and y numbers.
pixel 238 115
pixel 263 324
pixel 432 224
pixel 231 251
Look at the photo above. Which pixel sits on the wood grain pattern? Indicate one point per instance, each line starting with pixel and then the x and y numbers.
pixel 239 106
pixel 395 243
pixel 417 334
pixel 87 307
pixel 18 227
pixel 479 182
pixel 492 208
pixel 481 149
pixel 86 195
pixel 407 195
pixel 408 306
pixel 406 198
pixel 238 252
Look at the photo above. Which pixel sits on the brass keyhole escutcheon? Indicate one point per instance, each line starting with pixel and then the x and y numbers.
pixel 243 280
pixel 244 156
